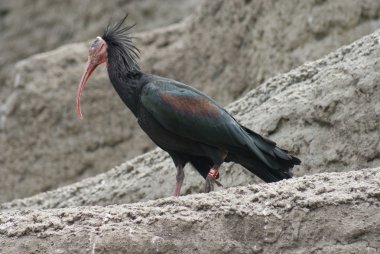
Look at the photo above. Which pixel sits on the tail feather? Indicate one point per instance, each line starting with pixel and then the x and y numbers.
pixel 263 158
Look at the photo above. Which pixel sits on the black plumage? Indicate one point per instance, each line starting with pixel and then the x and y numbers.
pixel 189 125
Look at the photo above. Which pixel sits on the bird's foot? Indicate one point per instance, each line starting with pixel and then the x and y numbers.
pixel 213 173
pixel 209 184
pixel 211 179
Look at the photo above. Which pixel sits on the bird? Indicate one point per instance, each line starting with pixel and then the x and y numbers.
pixel 189 125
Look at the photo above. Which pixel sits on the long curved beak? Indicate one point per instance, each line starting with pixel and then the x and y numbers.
pixel 90 67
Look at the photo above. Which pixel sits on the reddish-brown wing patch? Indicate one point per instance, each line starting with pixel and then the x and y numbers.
pixel 191 105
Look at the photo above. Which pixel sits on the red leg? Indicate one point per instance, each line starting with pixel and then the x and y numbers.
pixel 179 177
pixel 212 175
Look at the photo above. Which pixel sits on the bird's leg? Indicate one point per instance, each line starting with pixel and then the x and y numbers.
pixel 179 177
pixel 212 175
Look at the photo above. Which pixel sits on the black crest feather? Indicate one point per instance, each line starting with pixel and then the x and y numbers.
pixel 120 46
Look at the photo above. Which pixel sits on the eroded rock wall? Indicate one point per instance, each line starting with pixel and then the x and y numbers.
pixel 326 112
pixel 229 47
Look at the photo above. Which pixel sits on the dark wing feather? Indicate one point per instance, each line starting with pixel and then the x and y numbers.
pixel 187 112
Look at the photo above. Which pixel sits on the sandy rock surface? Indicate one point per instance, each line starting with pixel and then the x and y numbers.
pixel 325 112
pixel 43 145
pixel 30 27
pixel 322 213
pixel 229 47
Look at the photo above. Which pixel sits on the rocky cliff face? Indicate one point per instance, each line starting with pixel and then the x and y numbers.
pixel 37 151
pixel 326 112
pixel 229 47
pixel 31 27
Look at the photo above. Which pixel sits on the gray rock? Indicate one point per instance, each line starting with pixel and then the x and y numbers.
pixel 229 47
pixel 31 27
pixel 43 145
pixel 325 112
pixel 322 213
pixel 233 46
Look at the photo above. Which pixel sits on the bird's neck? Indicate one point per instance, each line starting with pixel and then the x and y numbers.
pixel 128 85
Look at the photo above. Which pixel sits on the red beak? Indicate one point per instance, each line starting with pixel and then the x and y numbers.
pixel 90 67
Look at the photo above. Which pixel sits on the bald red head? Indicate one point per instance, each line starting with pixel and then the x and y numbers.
pixel 97 55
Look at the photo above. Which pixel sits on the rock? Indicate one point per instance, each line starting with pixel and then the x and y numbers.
pixel 46 145
pixel 324 112
pixel 233 46
pixel 229 47
pixel 322 213
pixel 28 28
